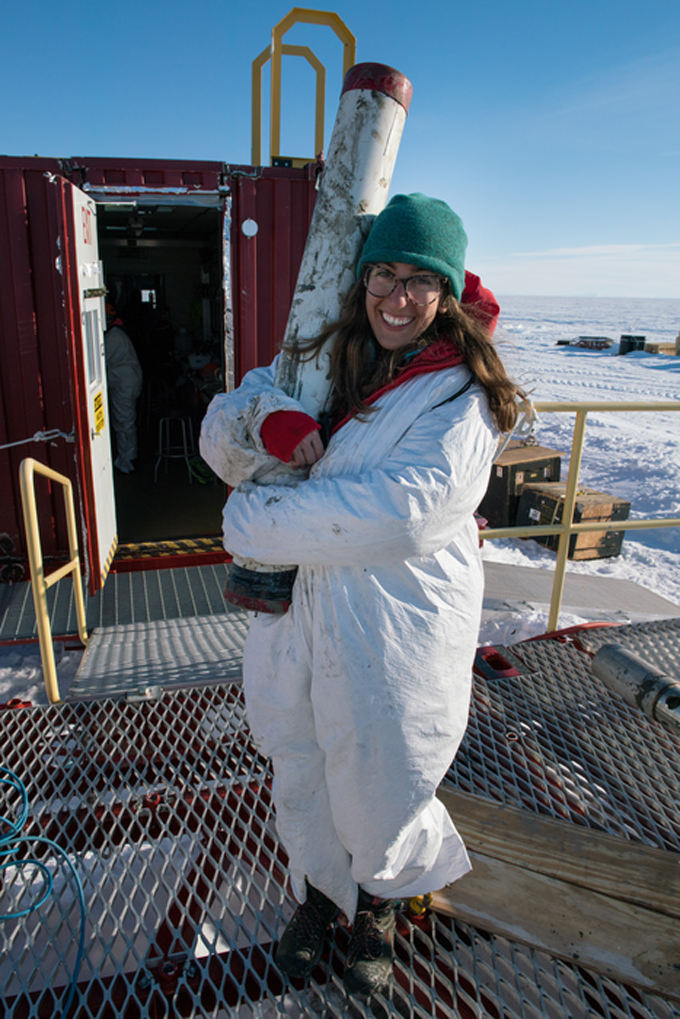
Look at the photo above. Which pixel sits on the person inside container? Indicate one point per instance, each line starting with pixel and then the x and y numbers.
pixel 124 383
pixel 359 692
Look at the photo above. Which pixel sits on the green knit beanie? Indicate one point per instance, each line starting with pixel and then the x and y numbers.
pixel 420 231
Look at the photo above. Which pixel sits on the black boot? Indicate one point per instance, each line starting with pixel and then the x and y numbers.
pixel 301 943
pixel 370 955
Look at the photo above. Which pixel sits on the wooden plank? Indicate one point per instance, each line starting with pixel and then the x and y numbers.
pixel 660 348
pixel 517 453
pixel 620 868
pixel 623 942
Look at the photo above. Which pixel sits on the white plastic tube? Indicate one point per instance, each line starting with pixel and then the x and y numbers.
pixel 354 185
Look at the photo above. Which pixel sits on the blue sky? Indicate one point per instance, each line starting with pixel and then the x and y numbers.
pixel 552 128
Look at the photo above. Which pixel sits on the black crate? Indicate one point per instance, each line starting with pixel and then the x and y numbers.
pixel 517 466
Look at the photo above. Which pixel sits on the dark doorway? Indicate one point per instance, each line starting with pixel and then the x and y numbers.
pixel 163 271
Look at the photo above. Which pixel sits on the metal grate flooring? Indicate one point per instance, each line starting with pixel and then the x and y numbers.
pixel 557 742
pixel 139 597
pixel 164 806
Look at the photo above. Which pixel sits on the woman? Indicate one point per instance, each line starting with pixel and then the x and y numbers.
pixel 359 693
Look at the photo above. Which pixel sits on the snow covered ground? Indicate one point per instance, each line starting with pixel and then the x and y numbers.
pixel 633 455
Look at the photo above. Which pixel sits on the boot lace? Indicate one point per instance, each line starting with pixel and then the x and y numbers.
pixel 367 939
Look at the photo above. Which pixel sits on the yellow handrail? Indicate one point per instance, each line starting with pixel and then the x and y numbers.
pixel 39 582
pixel 568 527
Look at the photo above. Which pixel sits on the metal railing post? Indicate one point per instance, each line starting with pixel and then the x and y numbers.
pixel 567 518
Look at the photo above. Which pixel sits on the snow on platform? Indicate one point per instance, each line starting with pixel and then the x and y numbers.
pixel 144 659
pixel 591 597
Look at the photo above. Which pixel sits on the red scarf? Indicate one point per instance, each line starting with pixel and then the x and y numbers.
pixel 435 357
pixel 282 430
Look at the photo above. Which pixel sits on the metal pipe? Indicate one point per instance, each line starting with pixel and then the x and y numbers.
pixel 72 530
pixel 639 684
pixel 38 586
pixel 548 406
pixel 320 94
pixel 58 574
pixel 256 106
pixel 583 527
pixel 256 113
pixel 294 17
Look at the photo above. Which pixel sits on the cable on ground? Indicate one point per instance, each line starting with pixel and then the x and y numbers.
pixel 11 841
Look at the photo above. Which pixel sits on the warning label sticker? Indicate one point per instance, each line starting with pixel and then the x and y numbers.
pixel 99 412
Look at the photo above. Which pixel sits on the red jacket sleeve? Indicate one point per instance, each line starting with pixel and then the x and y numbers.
pixel 480 301
pixel 284 429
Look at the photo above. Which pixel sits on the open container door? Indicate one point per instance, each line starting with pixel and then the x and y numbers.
pixel 85 317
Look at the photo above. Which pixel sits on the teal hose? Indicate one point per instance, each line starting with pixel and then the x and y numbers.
pixel 11 840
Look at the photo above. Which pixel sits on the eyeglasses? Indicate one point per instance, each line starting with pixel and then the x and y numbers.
pixel 421 289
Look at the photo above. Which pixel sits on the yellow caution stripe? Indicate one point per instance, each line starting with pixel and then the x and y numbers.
pixel 178 546
pixel 109 559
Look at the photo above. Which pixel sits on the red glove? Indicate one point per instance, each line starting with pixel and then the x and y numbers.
pixel 282 432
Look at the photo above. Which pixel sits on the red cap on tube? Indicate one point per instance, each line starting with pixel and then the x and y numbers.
pixel 379 78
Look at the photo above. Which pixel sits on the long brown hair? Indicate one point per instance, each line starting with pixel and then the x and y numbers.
pixel 359 366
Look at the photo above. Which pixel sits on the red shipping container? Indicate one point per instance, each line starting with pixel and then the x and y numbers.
pixel 201 260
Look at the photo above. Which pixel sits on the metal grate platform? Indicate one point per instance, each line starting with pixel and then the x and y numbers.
pixel 126 598
pixel 557 742
pixel 165 808
pixel 147 658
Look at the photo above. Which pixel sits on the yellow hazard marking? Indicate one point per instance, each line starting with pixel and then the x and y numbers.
pixel 109 560
pixel 99 412
pixel 183 546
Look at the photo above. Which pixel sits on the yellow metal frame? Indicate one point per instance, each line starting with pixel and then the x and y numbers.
pixel 568 527
pixel 39 582
pixel 319 129
pixel 274 52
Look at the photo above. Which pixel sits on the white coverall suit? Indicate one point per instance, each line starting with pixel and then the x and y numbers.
pixel 124 381
pixel 360 692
